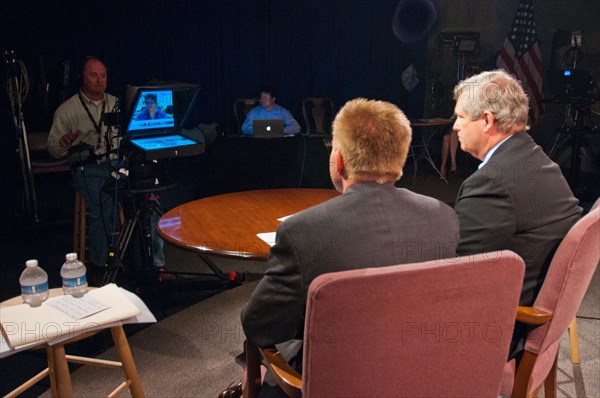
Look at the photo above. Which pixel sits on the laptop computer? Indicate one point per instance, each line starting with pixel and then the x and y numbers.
pixel 268 128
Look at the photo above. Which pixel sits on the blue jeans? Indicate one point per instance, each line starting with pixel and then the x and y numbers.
pixel 158 253
pixel 89 181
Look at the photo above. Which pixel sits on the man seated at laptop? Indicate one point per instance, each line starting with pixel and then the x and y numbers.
pixel 268 109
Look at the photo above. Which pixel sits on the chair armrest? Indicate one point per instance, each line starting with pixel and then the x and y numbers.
pixel 288 379
pixel 532 316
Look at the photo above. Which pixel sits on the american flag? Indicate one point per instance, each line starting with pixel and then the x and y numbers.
pixel 520 56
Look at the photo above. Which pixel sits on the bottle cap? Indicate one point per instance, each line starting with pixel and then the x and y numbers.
pixel 31 263
pixel 71 256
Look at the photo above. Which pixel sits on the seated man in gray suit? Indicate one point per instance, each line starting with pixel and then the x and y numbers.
pixel 372 224
pixel 518 199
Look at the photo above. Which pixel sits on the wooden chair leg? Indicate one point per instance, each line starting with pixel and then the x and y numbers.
pixel 573 341
pixel 64 387
pixel 25 386
pixel 52 372
pixel 550 382
pixel 253 376
pixel 122 346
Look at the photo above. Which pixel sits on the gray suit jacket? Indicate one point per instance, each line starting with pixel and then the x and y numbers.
pixel 518 201
pixel 370 225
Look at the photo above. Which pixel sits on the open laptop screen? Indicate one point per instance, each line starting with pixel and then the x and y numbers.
pixel 268 128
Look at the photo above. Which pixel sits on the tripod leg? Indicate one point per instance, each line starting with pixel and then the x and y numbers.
pixel 157 243
pixel 141 258
pixel 556 147
pixel 116 256
pixel 591 156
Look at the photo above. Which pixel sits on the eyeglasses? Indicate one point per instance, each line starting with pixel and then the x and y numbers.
pixel 149 102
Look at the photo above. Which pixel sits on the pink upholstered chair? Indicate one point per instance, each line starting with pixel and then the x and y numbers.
pixel 438 328
pixel 573 340
pixel 568 277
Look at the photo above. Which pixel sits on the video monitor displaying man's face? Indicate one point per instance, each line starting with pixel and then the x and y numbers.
pixel 153 111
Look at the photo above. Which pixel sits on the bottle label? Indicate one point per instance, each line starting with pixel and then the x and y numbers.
pixel 74 282
pixel 34 289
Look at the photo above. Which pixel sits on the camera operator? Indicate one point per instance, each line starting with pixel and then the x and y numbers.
pixel 78 135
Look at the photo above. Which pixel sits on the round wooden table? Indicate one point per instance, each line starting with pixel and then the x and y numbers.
pixel 226 225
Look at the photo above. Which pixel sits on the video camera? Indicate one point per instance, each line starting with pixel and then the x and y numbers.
pixel 149 125
pixel 153 119
pixel 570 80
pixel 573 86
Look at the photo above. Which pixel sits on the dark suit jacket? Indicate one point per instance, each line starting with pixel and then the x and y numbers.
pixel 370 225
pixel 518 201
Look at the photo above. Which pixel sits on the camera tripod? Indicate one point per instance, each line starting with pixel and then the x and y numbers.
pixel 578 131
pixel 133 250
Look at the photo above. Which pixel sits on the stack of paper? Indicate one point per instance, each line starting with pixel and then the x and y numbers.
pixel 63 317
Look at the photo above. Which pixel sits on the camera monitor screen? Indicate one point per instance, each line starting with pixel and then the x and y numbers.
pixel 162 142
pixel 168 146
pixel 153 111
pixel 157 110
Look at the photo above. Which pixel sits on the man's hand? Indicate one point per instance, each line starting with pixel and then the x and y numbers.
pixel 67 140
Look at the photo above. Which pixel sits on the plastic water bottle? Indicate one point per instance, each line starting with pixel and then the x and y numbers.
pixel 34 284
pixel 73 276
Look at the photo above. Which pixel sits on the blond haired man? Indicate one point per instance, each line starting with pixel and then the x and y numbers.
pixel 372 224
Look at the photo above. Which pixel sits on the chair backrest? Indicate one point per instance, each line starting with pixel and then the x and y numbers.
pixel 241 107
pixel 318 114
pixel 41 161
pixel 437 328
pixel 565 285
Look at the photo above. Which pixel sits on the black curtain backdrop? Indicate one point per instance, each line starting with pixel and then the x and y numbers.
pixel 340 48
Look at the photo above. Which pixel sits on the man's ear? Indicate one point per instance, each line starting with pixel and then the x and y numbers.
pixel 489 120
pixel 339 163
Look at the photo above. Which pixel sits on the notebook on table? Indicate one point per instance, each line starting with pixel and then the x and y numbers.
pixel 268 128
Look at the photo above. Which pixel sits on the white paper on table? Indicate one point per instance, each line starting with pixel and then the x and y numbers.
pixel 267 237
pixel 23 324
pixel 284 218
pixel 78 308
pixel 145 316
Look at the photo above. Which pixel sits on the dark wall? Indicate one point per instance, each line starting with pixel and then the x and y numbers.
pixel 343 49
pixel 238 163
pixel 340 48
